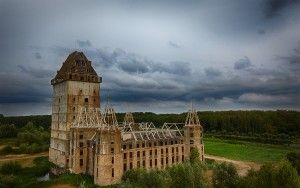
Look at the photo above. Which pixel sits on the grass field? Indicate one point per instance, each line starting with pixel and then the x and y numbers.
pixel 246 151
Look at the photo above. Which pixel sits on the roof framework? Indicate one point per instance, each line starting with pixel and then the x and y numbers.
pixel 147 131
pixel 131 131
pixel 192 118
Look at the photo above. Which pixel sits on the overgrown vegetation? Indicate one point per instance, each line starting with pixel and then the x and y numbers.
pixel 13 175
pixel 29 139
pixel 180 175
pixel 294 159
pixel 193 175
pixel 282 175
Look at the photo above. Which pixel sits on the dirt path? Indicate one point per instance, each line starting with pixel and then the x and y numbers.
pixel 242 167
pixel 22 156
pixel 63 186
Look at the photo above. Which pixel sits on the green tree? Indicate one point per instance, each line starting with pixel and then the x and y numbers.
pixel 8 131
pixel 286 176
pixel 283 175
pixel 194 155
pixel 225 176
pixel 294 159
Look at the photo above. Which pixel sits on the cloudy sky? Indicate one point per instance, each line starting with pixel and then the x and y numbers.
pixel 155 55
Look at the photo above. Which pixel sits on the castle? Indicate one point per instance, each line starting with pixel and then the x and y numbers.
pixel 86 140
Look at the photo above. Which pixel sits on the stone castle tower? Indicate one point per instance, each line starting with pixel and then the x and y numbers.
pixel 75 85
pixel 86 140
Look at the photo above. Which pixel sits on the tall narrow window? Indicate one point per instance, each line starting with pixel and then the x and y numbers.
pixel 112 160
pixel 86 100
pixel 81 162
pixel 112 173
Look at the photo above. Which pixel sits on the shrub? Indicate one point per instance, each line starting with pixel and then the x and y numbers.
pixel 225 176
pixel 6 150
pixel 180 175
pixel 294 159
pixel 11 168
pixel 9 181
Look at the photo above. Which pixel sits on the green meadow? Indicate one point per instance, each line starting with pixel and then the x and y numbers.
pixel 247 151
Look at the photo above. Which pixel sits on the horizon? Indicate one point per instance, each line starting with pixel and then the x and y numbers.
pixel 198 111
pixel 155 56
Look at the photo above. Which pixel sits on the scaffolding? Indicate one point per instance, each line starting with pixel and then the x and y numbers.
pixel 131 131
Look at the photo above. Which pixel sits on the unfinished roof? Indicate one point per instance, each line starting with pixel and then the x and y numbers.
pixel 76 68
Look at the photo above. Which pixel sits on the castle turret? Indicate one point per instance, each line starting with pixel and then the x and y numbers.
pixel 76 84
pixel 193 133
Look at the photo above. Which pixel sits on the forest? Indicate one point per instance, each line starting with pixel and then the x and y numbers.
pixel 280 122
pixel 275 127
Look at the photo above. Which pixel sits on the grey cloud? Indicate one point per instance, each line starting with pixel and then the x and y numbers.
pixel 37 73
pixel 133 66
pixel 273 7
pixel 211 34
pixel 173 44
pixel 37 55
pixel 242 63
pixel 261 31
pixel 132 63
pixel 212 72
pixel 293 61
pixel 22 88
pixel 84 43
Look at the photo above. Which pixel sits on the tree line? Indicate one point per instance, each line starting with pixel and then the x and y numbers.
pixel 225 122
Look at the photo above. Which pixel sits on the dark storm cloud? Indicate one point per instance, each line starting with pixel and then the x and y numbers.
pixel 137 47
pixel 22 88
pixel 129 62
pixel 273 7
pixel 174 45
pixel 242 63
pixel 84 43
pixel 124 78
pixel 293 60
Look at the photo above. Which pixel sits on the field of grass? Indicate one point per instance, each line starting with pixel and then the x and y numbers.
pixel 246 151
